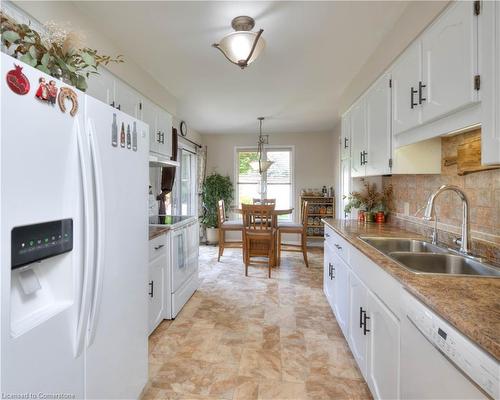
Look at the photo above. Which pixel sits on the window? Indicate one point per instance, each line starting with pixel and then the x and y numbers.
pixel 275 183
pixel 184 194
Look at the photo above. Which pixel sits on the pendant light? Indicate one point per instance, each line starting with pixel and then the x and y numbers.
pixel 260 164
pixel 243 46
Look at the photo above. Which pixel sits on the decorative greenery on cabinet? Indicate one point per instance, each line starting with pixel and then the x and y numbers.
pixel 57 51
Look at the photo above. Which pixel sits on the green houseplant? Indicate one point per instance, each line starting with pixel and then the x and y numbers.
pixel 216 187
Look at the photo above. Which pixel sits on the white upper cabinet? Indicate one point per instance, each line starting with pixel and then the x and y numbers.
pixel 406 73
pixel 102 86
pixel 165 133
pixel 383 350
pixel 358 138
pixel 126 99
pixel 345 137
pixel 434 80
pixel 377 158
pixel 449 48
pixel 489 37
pixel 107 88
pixel 149 115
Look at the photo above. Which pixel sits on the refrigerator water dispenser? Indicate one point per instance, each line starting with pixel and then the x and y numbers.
pixel 42 273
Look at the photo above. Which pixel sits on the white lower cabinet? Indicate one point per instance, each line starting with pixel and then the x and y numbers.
pixel 341 293
pixel 357 319
pixel 158 268
pixel 370 327
pixel 328 284
pixel 383 350
pixel 156 292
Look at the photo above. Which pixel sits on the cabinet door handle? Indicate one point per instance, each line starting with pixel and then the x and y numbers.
pixel 360 158
pixel 412 93
pixel 119 106
pixel 421 99
pixel 112 104
pixel 365 317
pixel 330 270
pixel 159 247
pixel 327 234
pixel 151 290
pixel 360 317
pixel 338 246
pixel 159 136
pixel 345 142
pixel 163 138
pixel 364 157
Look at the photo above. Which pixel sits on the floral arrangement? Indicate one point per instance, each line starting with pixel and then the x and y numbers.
pixel 59 51
pixel 370 200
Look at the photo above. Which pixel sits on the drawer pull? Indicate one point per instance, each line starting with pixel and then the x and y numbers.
pixel 159 247
pixel 365 317
pixel 151 291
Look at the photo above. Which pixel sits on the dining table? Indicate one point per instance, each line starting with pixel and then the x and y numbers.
pixel 276 214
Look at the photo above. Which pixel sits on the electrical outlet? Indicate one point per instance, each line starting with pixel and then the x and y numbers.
pixel 406 208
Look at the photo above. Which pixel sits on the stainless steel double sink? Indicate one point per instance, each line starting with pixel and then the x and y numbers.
pixel 422 257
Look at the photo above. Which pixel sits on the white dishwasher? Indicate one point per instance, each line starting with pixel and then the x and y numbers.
pixel 438 362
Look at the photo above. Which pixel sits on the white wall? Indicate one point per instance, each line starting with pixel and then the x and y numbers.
pixel 314 156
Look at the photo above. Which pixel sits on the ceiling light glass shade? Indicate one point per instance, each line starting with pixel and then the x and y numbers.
pixel 237 47
pixel 261 165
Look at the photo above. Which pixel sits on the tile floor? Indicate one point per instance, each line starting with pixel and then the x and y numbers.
pixel 254 337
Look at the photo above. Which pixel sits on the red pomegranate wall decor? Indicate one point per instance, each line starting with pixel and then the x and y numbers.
pixel 17 81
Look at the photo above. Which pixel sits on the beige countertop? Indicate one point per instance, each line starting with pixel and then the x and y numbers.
pixel 155 231
pixel 470 304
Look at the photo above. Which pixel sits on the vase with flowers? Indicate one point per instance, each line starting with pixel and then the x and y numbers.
pixel 372 205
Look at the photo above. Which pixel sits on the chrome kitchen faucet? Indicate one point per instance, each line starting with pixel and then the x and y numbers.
pixel 430 214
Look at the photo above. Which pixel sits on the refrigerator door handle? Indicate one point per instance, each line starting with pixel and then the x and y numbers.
pixel 99 239
pixel 88 248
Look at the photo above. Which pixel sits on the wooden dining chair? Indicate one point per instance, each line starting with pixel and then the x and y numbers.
pixel 259 234
pixel 226 226
pixel 265 202
pixel 291 227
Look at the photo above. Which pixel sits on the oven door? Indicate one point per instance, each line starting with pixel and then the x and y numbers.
pixel 180 271
pixel 428 374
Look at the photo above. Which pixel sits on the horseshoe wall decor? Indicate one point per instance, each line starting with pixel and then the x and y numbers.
pixel 68 93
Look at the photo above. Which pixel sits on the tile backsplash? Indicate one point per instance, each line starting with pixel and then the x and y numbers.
pixel 482 189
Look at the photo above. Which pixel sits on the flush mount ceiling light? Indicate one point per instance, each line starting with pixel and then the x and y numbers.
pixel 243 46
pixel 260 164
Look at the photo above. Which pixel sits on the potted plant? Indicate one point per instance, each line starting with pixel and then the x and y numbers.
pixel 216 187
pixel 370 201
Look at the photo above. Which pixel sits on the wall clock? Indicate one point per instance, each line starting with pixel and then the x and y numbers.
pixel 183 128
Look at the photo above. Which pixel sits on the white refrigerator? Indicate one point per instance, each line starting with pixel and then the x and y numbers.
pixel 73 242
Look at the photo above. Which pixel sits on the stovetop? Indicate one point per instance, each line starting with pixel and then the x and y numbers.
pixel 167 219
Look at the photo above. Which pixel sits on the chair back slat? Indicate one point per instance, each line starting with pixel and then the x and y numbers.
pixel 221 212
pixel 264 202
pixel 257 217
pixel 305 213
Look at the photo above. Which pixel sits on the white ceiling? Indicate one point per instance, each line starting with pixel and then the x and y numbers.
pixel 314 50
